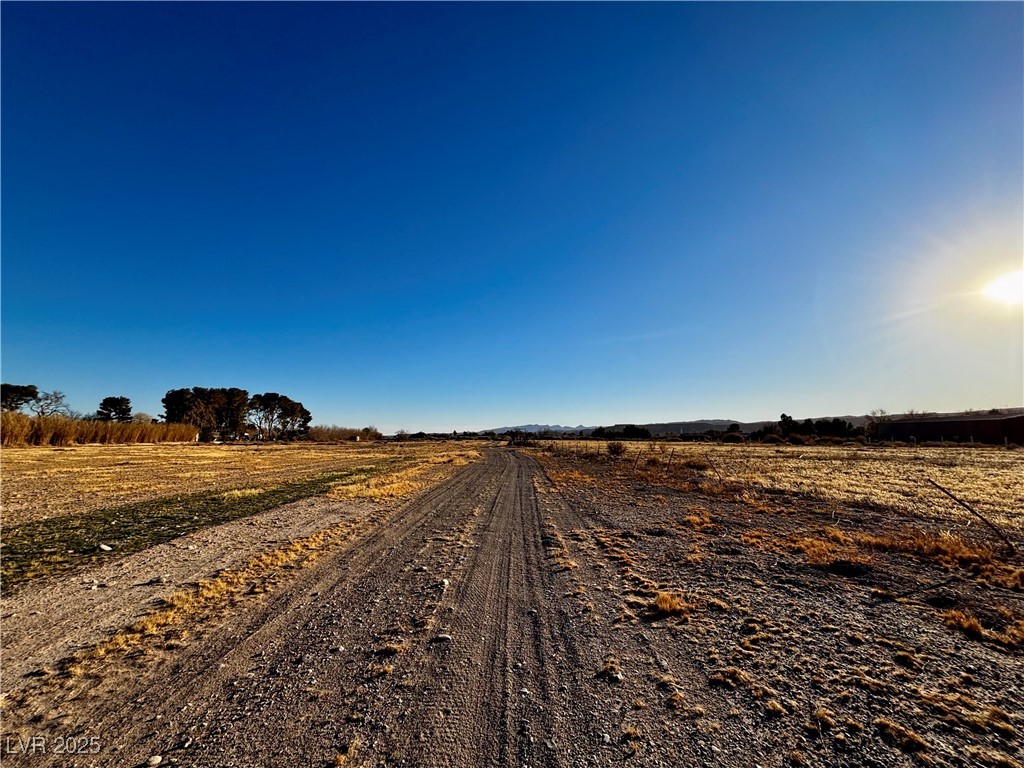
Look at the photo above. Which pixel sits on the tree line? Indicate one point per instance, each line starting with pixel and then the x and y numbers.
pixel 788 428
pixel 231 413
pixel 215 412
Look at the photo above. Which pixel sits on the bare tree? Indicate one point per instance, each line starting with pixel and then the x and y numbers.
pixel 50 404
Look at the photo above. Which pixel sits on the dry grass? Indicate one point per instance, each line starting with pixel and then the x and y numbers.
pixel 243 493
pixel 968 624
pixel 406 481
pixel 40 483
pixel 570 476
pixel 990 478
pixel 898 736
pixel 163 492
pixel 730 677
pixel 669 604
pixel 17 429
pixel 190 605
pixel 698 518
pixel 773 708
pixel 949 549
pixel 991 758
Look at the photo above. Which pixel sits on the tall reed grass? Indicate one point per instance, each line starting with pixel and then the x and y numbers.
pixel 18 429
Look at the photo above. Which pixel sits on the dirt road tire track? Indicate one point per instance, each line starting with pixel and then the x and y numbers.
pixel 352 658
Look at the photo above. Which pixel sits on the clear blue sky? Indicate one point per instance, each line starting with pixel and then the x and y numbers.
pixel 474 215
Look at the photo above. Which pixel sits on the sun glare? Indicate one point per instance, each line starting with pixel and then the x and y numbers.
pixel 1008 289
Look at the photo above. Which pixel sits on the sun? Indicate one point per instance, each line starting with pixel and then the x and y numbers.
pixel 1007 289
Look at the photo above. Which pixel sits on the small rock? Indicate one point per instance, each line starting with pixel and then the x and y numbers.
pixel 421 568
pixel 606 739
pixel 442 639
pixel 549 744
pixel 154 760
pixel 105 548
pixel 524 691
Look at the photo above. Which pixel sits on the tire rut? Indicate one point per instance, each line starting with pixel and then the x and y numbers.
pixel 437 637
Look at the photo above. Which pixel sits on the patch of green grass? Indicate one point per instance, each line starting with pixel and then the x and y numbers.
pixel 57 545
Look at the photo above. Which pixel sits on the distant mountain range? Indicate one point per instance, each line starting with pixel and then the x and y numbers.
pixel 540 428
pixel 703 425
pixel 668 427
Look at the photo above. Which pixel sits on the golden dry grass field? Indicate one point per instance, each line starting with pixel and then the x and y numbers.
pixel 68 507
pixel 989 478
pixel 45 482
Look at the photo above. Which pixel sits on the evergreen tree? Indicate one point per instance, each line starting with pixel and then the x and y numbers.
pixel 115 409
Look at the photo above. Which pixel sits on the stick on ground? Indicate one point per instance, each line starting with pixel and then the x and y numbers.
pixel 976 513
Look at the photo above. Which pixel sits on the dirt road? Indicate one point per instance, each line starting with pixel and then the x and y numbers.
pixel 435 638
pixel 511 617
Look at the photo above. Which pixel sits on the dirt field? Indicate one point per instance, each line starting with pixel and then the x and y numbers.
pixel 531 608
pixel 42 483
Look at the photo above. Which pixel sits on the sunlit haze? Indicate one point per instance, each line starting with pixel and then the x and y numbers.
pixel 1007 289
pixel 462 216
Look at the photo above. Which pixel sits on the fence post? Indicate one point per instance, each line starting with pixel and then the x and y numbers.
pixel 638 455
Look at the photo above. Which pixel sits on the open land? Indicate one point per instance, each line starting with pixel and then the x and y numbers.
pixel 470 604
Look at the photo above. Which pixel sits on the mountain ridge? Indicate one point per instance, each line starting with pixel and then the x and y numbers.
pixel 695 426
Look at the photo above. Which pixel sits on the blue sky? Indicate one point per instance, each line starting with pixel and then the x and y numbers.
pixel 434 216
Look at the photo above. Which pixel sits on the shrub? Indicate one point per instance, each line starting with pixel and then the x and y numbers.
pixel 616 448
pixel 668 604
pixel 696 463
pixel 964 622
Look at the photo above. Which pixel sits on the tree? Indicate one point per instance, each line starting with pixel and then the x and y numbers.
pixel 143 418
pixel 50 404
pixel 277 416
pixel 877 417
pixel 115 409
pixel 266 411
pixel 294 418
pixel 16 396
pixel 215 410
pixel 178 406
pixel 234 412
